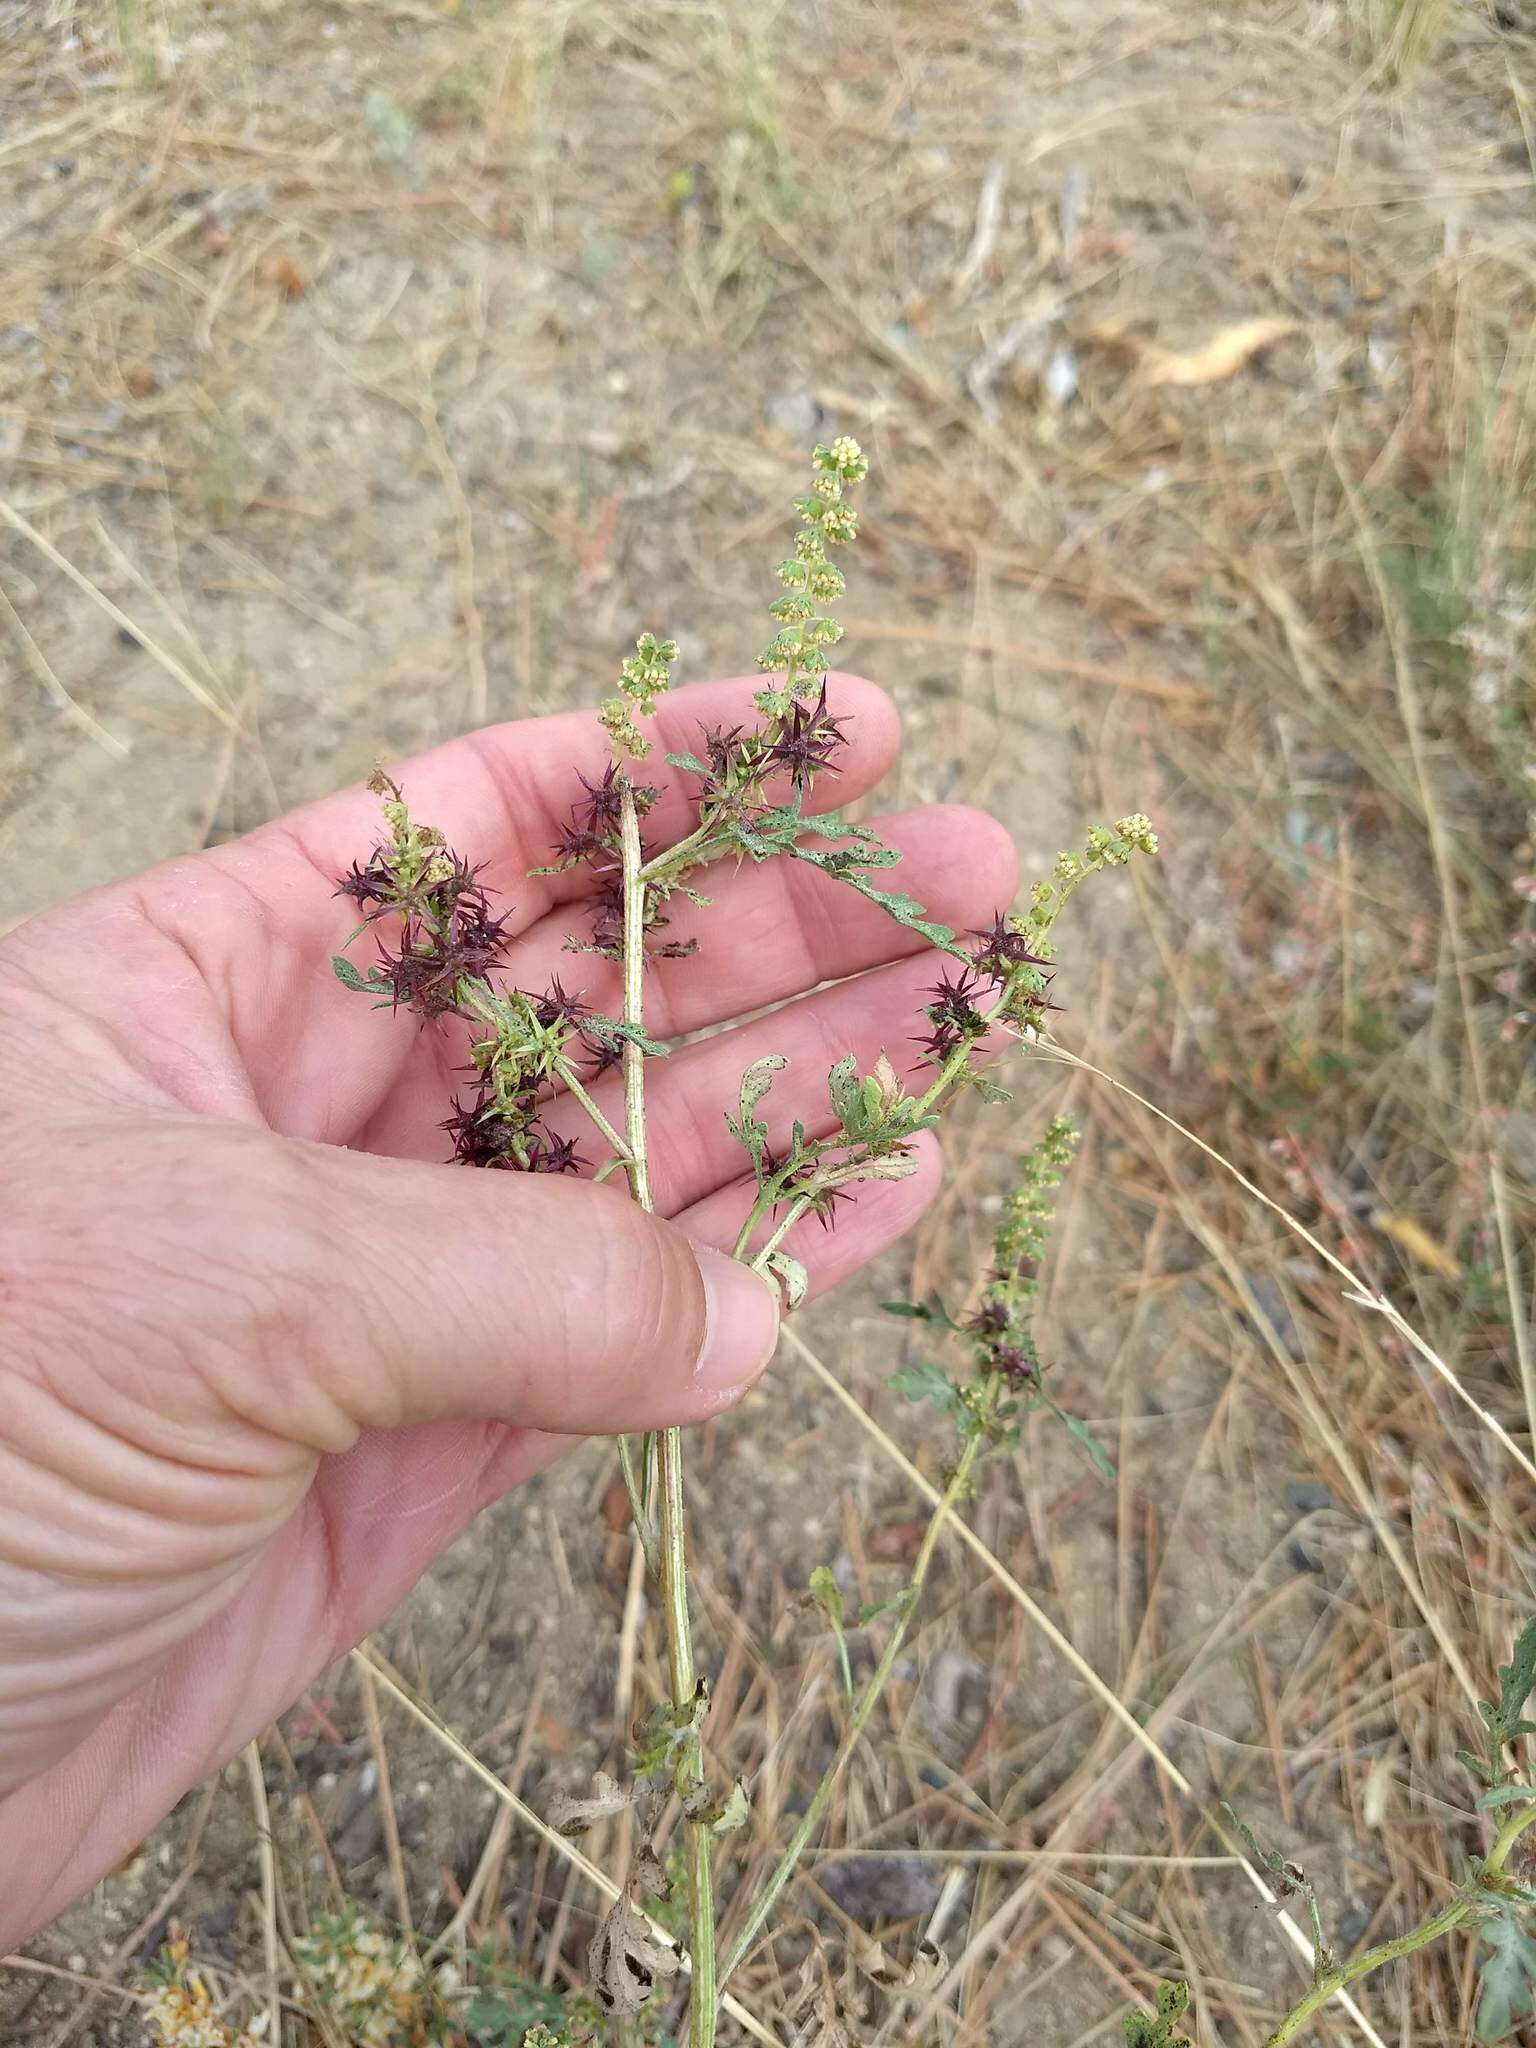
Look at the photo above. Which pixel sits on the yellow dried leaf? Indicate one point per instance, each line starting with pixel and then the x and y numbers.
pixel 1416 1241
pixel 1377 1795
pixel 1222 356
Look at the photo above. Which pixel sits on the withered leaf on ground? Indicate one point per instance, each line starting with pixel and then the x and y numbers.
pixel 1229 350
pixel 1413 1239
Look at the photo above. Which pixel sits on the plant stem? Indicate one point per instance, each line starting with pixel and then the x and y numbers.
pixel 570 1079
pixel 770 1245
pixel 810 1820
pixel 680 853
pixel 1450 1917
pixel 688 1774
pixel 639 1512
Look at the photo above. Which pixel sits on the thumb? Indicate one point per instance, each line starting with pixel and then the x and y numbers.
pixel 417 1292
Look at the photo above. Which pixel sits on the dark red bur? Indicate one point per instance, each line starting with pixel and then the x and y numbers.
pixel 807 742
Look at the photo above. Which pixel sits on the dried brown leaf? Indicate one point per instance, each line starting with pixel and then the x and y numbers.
pixel 1413 1239
pixel 626 1960
pixel 1227 352
pixel 573 1815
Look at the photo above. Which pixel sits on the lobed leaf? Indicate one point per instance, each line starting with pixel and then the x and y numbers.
pixel 926 1382
pixel 1507 1974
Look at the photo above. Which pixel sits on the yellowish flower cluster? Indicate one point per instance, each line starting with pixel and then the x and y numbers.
pixel 181 2013
pixel 373 1986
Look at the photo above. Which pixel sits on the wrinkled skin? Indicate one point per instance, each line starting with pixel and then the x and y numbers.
pixel 262 1354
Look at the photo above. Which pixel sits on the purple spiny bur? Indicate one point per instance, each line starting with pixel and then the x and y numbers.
pixel 808 739
pixel 990 1320
pixel 603 1055
pixel 480 1138
pixel 604 804
pixel 954 1002
pixel 1014 1363
pixel 555 1006
pixel 939 1043
pixel 577 843
pixel 549 1154
pixel 374 883
pixel 1002 950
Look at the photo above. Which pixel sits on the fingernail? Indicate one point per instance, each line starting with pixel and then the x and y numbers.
pixel 741 1324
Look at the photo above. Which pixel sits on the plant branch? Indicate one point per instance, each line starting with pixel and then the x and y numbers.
pixel 688 1775
pixel 1461 1909
pixel 811 1819
pixel 570 1079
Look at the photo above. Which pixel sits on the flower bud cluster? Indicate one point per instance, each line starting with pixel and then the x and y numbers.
pixel 1000 1327
pixel 809 579
pixel 643 676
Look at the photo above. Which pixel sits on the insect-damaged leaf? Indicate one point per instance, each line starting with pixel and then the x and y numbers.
pixel 1147 2030
pixel 847 864
pixel 571 1814
pixel 746 1128
pixel 626 1960
pixel 734 1813
pixel 791 1275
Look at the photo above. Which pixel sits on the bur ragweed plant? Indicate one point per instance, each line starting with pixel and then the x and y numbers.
pixel 441 953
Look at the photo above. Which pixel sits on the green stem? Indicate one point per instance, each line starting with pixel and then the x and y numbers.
pixel 569 1078
pixel 811 1819
pixel 688 1777
pixel 770 1245
pixel 1460 1910
pixel 679 856
pixel 645 1527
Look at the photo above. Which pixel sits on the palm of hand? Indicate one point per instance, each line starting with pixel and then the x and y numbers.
pixel 193 1521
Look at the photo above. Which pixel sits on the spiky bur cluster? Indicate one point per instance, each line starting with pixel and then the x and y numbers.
pixel 1006 1378
pixel 437 945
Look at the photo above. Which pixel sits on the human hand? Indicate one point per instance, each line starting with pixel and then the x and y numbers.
pixel 262 1356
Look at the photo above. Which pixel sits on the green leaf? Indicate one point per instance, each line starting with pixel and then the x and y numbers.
pixel 1474 1764
pixel 1507 1973
pixel 1146 2030
pixel 875 1608
pixel 689 761
pixel 612 1031
pixel 749 1132
pixel 990 1091
pixel 758 1079
pixel 734 1813
pixel 843 1086
pixel 847 865
pixel 1507 1795
pixel 1517 1681
pixel 827 1594
pixel 926 1382
pixel 930 1311
pixel 348 975
pixel 1102 1462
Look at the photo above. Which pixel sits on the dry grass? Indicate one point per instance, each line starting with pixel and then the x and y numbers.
pixel 379 367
